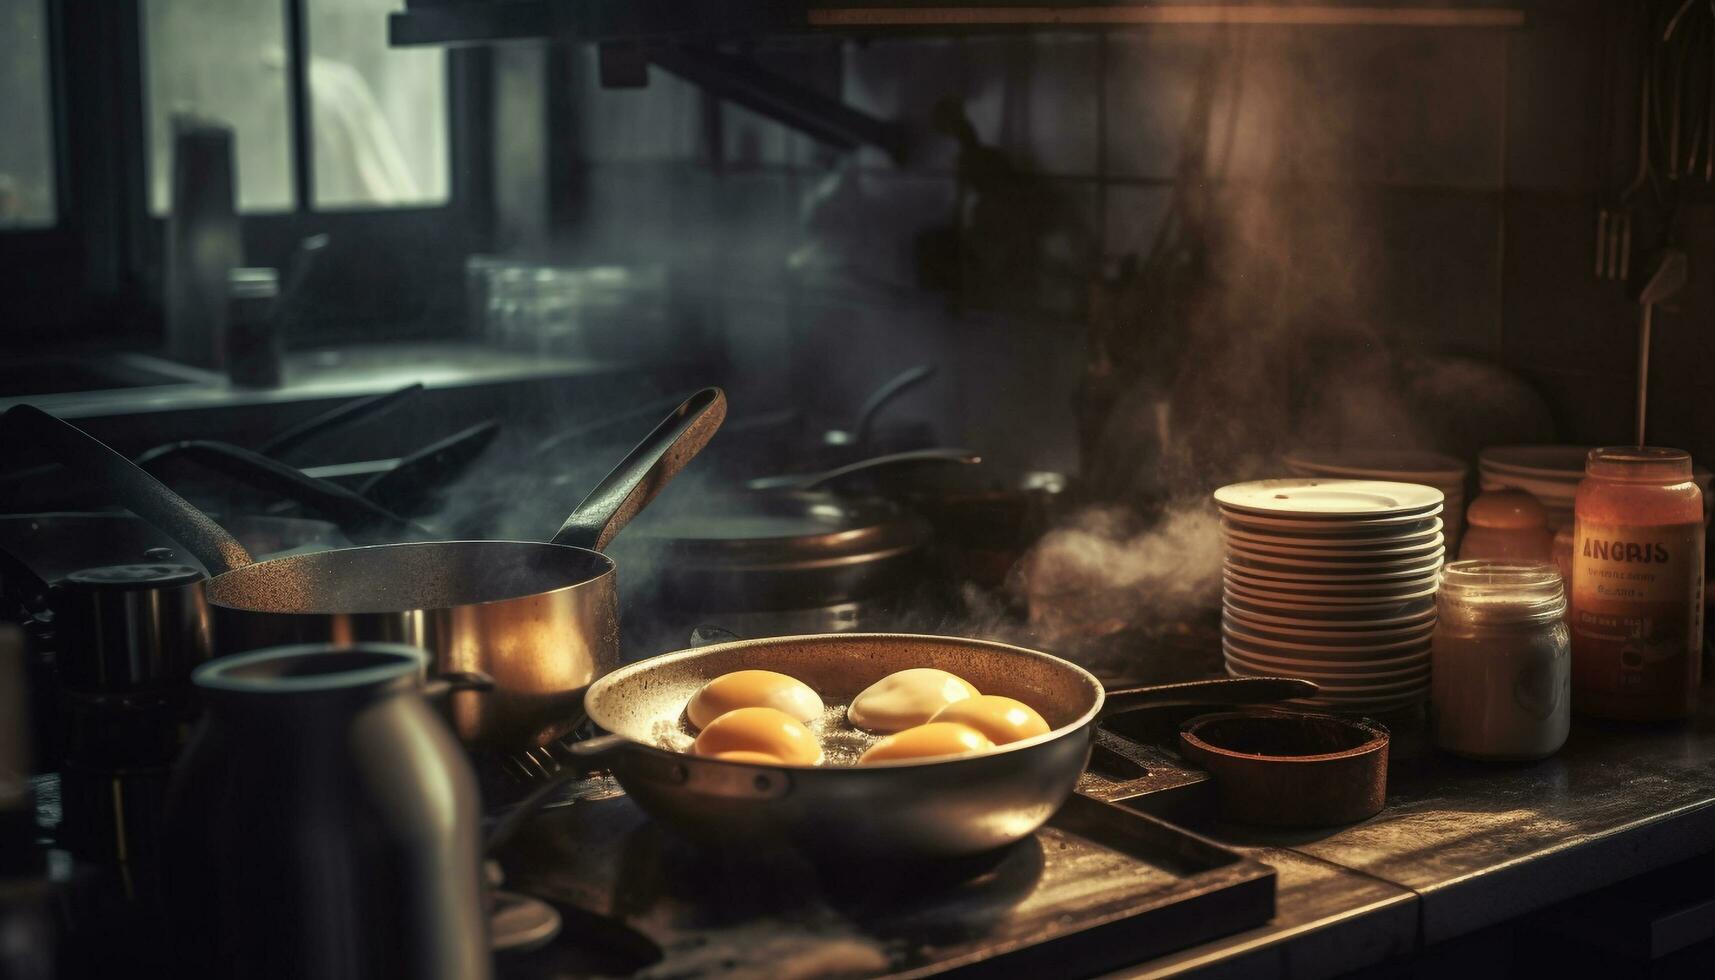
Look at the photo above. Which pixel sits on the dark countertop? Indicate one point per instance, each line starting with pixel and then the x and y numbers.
pixel 1460 846
pixel 1464 845
pixel 314 375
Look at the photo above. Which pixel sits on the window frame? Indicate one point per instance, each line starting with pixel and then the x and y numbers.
pixel 96 274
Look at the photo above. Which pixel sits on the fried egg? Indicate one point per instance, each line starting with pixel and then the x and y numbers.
pixel 907 698
pixel 759 732
pixel 1002 719
pixel 924 741
pixel 753 689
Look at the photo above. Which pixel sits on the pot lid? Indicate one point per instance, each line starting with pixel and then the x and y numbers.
pixel 782 528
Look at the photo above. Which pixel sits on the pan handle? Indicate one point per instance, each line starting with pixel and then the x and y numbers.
pixel 145 496
pixel 440 462
pixel 443 685
pixel 594 752
pixel 816 481
pixel 645 472
pixel 362 520
pixel 893 388
pixel 345 414
pixel 1214 691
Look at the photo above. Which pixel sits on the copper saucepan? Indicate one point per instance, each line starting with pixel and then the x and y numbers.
pixel 936 808
pixel 539 619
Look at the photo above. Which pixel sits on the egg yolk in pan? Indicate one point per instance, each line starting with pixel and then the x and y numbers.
pixel 907 698
pixel 756 732
pixel 1002 719
pixel 753 689
pixel 924 741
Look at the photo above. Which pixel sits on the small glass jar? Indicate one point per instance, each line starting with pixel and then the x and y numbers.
pixel 1637 585
pixel 1501 661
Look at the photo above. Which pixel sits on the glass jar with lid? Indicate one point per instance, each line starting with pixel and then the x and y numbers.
pixel 1637 585
pixel 1501 661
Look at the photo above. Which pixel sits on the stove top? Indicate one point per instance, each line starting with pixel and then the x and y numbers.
pixel 1099 886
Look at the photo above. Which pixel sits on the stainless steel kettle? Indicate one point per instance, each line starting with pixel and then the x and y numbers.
pixel 324 823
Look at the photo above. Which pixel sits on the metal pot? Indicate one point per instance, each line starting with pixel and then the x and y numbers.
pixel 934 808
pixel 772 550
pixel 540 619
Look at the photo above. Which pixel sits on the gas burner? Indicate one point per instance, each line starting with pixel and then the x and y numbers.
pixel 1097 886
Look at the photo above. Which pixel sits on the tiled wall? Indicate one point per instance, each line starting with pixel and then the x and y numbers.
pixel 1440 183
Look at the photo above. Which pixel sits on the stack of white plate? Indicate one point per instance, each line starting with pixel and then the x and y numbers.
pixel 1444 473
pixel 1333 581
pixel 1548 473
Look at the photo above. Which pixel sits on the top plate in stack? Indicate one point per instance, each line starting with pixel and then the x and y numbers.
pixel 1444 473
pixel 1334 581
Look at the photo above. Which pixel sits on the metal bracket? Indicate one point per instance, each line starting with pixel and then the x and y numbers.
pixel 824 119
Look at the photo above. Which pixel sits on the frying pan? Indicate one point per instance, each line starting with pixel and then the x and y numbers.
pixel 939 808
pixel 540 620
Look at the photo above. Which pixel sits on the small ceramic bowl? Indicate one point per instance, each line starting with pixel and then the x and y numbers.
pixel 1291 769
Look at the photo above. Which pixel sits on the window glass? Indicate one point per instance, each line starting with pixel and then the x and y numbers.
pixel 378 114
pixel 222 60
pixel 26 120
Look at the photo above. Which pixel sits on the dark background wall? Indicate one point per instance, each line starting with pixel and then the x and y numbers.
pixel 1440 185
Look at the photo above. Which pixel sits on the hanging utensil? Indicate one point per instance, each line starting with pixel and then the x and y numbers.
pixel 1614 223
pixel 1666 278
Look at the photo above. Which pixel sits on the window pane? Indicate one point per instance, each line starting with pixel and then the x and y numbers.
pixel 224 60
pixel 26 130
pixel 378 114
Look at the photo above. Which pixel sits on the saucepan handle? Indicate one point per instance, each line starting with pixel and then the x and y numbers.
pixel 442 685
pixel 594 751
pixel 145 496
pixel 707 636
pixel 645 472
pixel 1204 693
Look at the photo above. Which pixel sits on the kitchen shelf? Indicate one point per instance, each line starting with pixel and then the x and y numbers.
pixel 435 22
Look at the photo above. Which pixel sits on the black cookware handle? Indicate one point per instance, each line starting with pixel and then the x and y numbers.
pixel 872 406
pixel 441 685
pixel 645 472
pixel 816 481
pixel 1214 691
pixel 405 485
pixel 129 485
pixel 594 752
pixel 363 521
pixel 20 580
pixel 346 414
pixel 707 636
